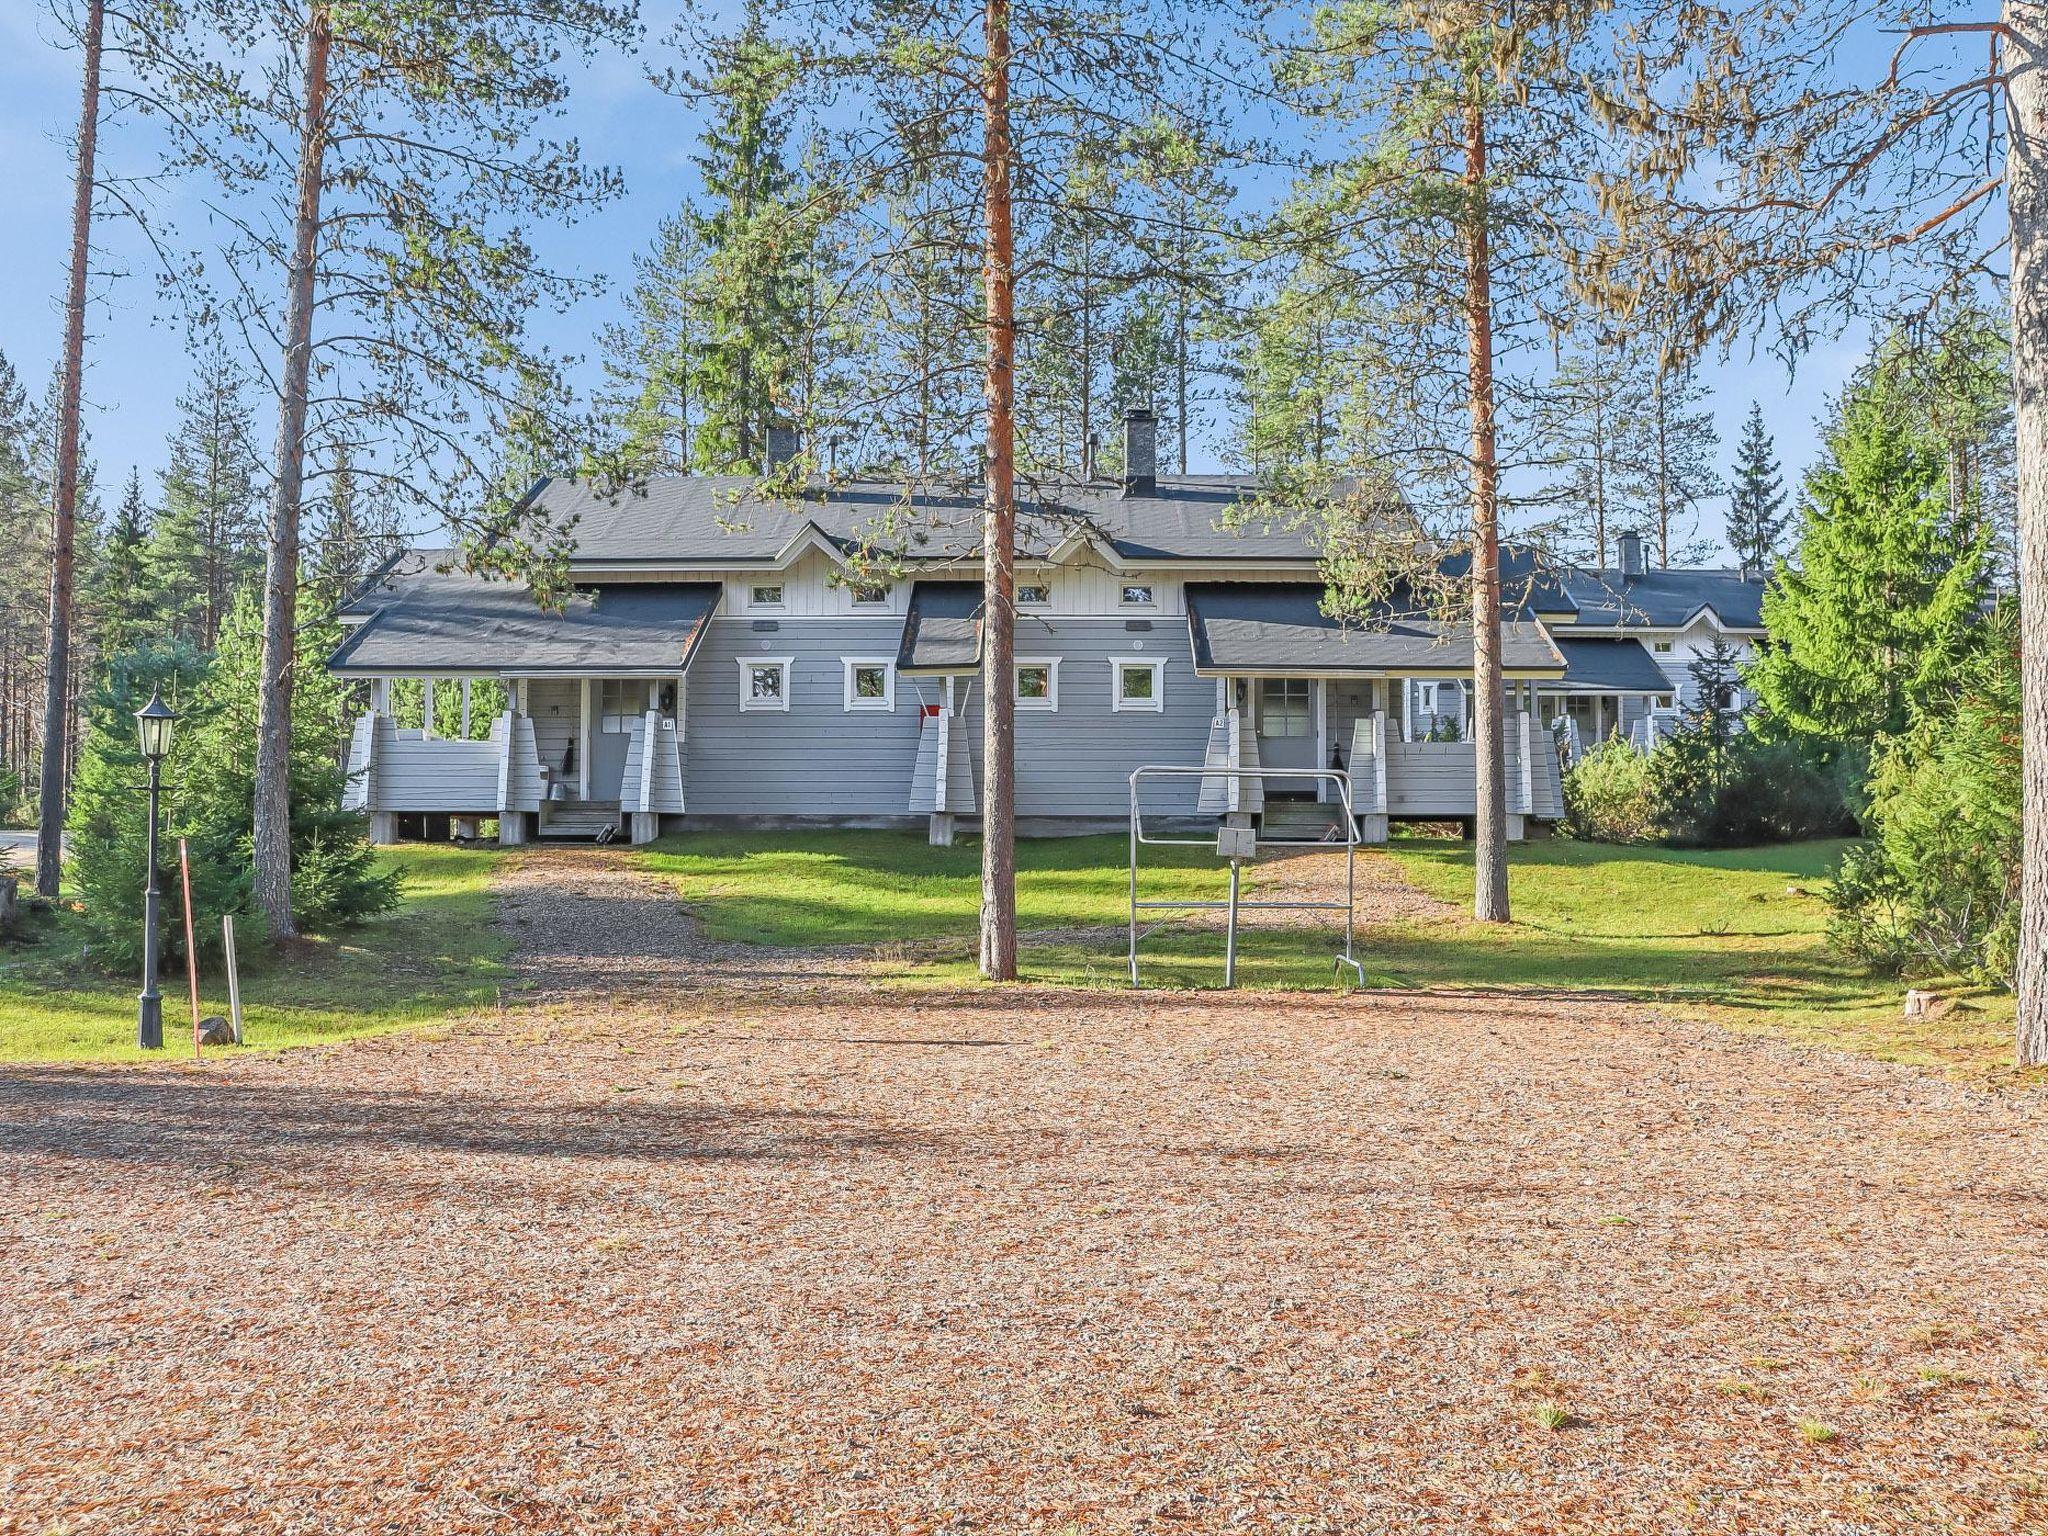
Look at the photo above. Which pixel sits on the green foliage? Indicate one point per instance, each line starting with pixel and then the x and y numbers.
pixel 1883 603
pixel 1607 795
pixel 1937 890
pixel 209 789
pixel 1756 498
pixel 108 830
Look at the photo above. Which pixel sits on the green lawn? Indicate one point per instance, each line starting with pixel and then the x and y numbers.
pixel 438 955
pixel 1737 936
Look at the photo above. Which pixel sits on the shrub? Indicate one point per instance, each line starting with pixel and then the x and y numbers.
pixel 1607 795
pixel 1937 889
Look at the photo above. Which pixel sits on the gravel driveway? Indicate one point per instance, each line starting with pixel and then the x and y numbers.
pixel 831 1259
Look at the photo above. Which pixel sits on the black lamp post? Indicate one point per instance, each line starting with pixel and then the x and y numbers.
pixel 153 723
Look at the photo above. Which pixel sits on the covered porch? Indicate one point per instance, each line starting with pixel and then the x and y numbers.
pixel 590 718
pixel 1298 689
pixel 1612 687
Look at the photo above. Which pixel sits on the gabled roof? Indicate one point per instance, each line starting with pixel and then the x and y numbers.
pixel 941 628
pixel 714 521
pixel 1252 627
pixel 415 618
pixel 1665 598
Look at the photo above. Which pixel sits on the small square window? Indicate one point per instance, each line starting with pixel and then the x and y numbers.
pixel 1138 686
pixel 1038 683
pixel 1034 595
pixel 869 593
pixel 764 683
pixel 1137 594
pixel 870 683
pixel 619 703
pixel 767 595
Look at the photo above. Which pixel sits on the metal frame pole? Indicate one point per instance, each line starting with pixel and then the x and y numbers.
pixel 149 1013
pixel 1230 930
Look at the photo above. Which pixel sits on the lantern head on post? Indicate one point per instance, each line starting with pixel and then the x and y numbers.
pixel 153 723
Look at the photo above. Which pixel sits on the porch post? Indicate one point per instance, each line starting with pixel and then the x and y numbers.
pixel 465 709
pixel 427 708
pixel 380 695
pixel 1321 687
pixel 583 739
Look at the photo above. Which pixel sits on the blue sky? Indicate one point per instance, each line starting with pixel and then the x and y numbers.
pixel 137 363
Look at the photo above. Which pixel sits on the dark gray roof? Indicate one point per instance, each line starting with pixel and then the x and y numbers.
pixel 421 619
pixel 717 520
pixel 1665 599
pixel 941 628
pixel 1281 627
pixel 1610 665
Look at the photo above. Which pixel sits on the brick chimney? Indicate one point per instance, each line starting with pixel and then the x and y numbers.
pixel 782 445
pixel 1141 452
pixel 1630 545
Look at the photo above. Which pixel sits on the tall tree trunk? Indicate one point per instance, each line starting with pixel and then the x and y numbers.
pixel 1490 823
pixel 272 830
pixel 64 514
pixel 999 529
pixel 2026 184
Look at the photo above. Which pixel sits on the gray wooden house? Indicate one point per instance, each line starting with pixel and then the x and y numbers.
pixel 728 658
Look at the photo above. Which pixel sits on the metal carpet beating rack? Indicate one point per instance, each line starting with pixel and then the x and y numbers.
pixel 1238 841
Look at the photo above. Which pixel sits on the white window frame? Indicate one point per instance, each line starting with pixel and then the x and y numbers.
pixel 1051 702
pixel 1126 588
pixel 1034 602
pixel 624 717
pixel 751 705
pixel 854 703
pixel 857 592
pixel 1119 665
pixel 756 604
pixel 1425 697
pixel 1661 647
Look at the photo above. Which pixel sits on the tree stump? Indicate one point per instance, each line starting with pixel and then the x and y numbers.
pixel 10 904
pixel 1921 1004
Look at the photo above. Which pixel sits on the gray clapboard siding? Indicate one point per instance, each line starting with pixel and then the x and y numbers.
pixel 818 757
pixel 362 750
pixel 415 774
pixel 520 774
pixel 958 794
pixel 1438 778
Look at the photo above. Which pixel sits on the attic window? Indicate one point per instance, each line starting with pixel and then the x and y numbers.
pixel 1036 595
pixel 766 595
pixel 1137 594
pixel 868 593
pixel 1662 647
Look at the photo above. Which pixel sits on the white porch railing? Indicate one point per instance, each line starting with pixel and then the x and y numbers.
pixel 393 770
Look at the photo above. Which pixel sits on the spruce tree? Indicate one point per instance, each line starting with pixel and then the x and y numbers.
pixel 121 600
pixel 1884 598
pixel 206 542
pixel 1756 496
pixel 755 236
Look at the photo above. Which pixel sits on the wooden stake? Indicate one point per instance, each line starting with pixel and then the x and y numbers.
pixel 191 950
pixel 227 934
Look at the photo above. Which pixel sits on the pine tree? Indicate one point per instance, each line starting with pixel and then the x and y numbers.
pixel 1756 497
pixel 1884 599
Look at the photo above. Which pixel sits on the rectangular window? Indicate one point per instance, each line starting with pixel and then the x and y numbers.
pixel 870 683
pixel 1662 647
pixel 619 703
pixel 1038 682
pixel 1426 695
pixel 1137 594
pixel 764 683
pixel 766 595
pixel 1034 595
pixel 1138 686
pixel 868 593
pixel 1284 707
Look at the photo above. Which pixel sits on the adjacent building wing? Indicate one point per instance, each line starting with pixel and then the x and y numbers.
pixel 1252 628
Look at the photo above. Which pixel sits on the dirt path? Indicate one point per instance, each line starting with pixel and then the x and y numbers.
pixel 1012 1261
